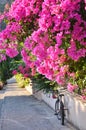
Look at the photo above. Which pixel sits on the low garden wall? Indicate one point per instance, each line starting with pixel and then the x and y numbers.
pixel 76 110
pixel 76 113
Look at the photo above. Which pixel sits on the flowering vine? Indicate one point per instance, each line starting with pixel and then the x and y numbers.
pixel 51 37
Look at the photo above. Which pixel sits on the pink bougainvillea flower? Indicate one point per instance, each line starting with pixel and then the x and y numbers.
pixel 60 79
pixel 20 67
pixel 59 39
pixel 11 52
pixel 72 74
pixel 26 75
pixel 33 72
pixel 2 57
pixel 71 87
pixel 14 72
pixel 83 97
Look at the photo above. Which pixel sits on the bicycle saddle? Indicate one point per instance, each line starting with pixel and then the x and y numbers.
pixel 61 95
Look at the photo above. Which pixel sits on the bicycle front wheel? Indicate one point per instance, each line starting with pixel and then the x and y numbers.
pixel 57 106
pixel 62 112
pixel 57 109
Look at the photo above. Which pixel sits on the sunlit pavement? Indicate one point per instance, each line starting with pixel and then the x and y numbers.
pixel 21 111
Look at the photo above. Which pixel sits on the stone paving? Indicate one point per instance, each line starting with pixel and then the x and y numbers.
pixel 21 111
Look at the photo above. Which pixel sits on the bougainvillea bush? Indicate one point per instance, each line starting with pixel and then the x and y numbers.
pixel 51 37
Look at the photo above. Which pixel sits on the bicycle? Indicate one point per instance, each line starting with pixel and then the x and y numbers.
pixel 59 106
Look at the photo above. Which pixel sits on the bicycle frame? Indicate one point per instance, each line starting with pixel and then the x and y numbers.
pixel 59 107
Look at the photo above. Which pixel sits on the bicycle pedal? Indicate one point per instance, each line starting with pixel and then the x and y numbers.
pixel 55 113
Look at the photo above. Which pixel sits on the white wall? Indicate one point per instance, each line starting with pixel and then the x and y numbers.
pixel 76 112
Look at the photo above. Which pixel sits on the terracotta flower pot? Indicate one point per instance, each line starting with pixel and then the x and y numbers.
pixel 1 85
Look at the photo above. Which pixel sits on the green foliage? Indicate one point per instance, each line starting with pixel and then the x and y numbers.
pixel 5 72
pixel 42 83
pixel 14 64
pixel 22 82
pixel 79 67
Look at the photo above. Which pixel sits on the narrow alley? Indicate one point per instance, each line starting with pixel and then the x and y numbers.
pixel 21 111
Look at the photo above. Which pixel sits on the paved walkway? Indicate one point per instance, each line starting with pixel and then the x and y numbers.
pixel 21 111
